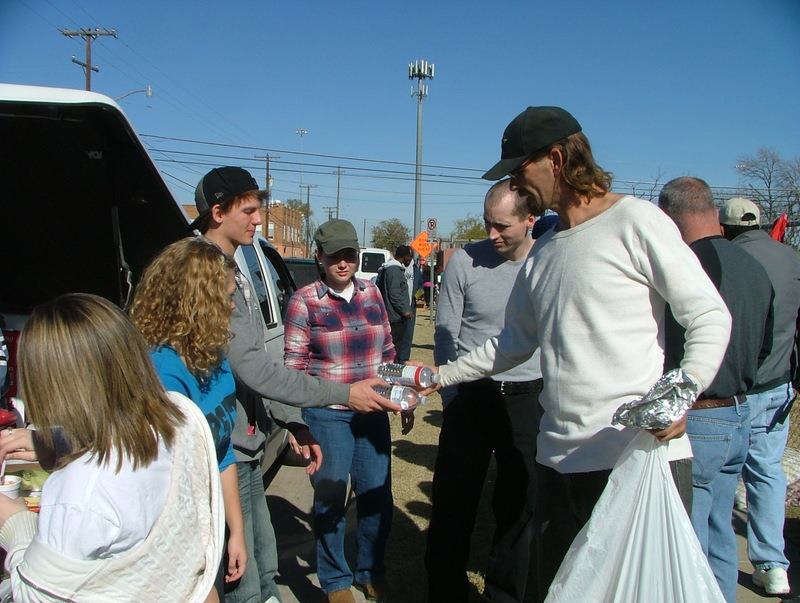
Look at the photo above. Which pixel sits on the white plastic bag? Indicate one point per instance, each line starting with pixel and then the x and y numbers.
pixel 639 545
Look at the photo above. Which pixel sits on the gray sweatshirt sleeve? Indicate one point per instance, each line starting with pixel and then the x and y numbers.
pixel 256 369
pixel 449 312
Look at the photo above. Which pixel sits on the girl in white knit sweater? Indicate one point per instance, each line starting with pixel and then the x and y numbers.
pixel 133 510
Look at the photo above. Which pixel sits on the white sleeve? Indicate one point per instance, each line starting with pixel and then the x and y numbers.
pixel 676 274
pixel 514 345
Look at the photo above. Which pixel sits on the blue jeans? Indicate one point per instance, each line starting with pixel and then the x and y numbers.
pixel 358 446
pixel 404 349
pixel 258 583
pixel 764 479
pixel 719 438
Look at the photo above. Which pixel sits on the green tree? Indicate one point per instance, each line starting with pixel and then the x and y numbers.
pixel 470 228
pixel 388 234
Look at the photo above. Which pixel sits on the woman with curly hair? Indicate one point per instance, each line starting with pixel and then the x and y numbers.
pixel 182 307
pixel 132 509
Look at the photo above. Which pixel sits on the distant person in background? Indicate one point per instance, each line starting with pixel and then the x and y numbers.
pixel 391 282
pixel 543 224
pixel 770 399
pixel 497 415
pixel 337 329
pixel 718 424
pixel 414 283
pixel 132 509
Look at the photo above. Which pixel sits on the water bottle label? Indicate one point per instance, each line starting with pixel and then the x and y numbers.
pixel 397 395
pixel 411 374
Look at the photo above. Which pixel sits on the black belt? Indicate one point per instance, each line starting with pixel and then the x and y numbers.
pixel 510 388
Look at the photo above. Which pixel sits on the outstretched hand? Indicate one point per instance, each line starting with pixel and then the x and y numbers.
pixel 365 399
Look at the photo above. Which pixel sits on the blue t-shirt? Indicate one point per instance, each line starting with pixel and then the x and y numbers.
pixel 216 397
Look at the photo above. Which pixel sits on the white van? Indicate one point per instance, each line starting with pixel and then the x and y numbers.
pixel 85 210
pixel 370 260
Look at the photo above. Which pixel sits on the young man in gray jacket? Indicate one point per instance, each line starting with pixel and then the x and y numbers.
pixel 228 203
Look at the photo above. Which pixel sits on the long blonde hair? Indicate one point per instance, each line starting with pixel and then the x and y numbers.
pixel 83 367
pixel 182 301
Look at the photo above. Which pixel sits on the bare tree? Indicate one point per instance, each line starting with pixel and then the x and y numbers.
pixel 646 189
pixel 762 175
pixel 789 180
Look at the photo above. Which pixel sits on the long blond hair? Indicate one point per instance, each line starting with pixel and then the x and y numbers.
pixel 182 301
pixel 83 367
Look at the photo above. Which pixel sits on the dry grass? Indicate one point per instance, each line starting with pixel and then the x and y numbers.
pixel 412 472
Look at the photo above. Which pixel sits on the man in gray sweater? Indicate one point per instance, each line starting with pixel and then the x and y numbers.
pixel 770 398
pixel 228 203
pixel 497 415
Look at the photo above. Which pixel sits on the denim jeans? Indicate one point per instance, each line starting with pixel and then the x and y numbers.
pixel 258 583
pixel 719 438
pixel 404 349
pixel 764 479
pixel 358 446
pixel 479 422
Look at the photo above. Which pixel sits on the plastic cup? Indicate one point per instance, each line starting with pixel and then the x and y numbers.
pixel 10 486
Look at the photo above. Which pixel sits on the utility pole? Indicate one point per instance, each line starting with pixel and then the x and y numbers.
pixel 308 188
pixel 331 211
pixel 364 236
pixel 88 34
pixel 301 132
pixel 268 188
pixel 338 183
pixel 419 70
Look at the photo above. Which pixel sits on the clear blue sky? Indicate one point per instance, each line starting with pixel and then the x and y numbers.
pixel 668 88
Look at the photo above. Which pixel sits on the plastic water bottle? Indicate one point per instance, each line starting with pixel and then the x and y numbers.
pixel 412 376
pixel 407 398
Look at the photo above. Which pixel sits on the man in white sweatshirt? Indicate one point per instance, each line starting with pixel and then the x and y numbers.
pixel 591 295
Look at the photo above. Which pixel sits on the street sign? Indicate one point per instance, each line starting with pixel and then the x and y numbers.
pixel 421 244
pixel 432 224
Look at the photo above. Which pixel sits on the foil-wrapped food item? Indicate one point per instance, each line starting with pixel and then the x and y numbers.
pixel 666 402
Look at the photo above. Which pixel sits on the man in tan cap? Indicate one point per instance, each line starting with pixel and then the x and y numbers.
pixel 769 399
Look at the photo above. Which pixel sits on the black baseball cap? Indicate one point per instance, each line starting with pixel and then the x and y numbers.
pixel 335 235
pixel 534 129
pixel 220 185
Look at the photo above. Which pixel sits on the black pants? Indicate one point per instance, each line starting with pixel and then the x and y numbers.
pixel 565 504
pixel 479 421
pixel 398 330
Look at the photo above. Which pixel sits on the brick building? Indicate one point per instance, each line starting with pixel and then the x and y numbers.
pixel 280 225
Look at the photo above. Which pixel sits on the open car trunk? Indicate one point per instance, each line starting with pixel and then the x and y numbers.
pixel 83 207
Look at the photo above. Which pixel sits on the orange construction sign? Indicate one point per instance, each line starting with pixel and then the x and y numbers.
pixel 421 244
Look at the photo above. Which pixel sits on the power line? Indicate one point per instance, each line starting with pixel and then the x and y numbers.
pixel 324 155
pixel 320 165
